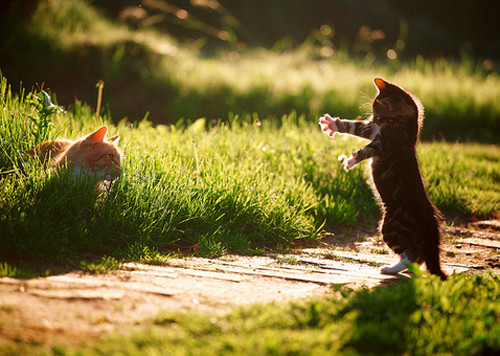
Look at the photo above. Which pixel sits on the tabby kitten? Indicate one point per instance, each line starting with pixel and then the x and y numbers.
pixel 409 225
pixel 93 153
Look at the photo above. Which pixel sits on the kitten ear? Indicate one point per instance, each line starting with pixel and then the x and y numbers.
pixel 97 136
pixel 380 83
pixel 113 139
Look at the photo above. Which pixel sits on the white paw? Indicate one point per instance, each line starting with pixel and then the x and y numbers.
pixel 351 162
pixel 329 125
pixel 398 267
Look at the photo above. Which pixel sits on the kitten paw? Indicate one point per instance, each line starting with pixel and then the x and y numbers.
pixel 398 267
pixel 351 162
pixel 342 158
pixel 329 125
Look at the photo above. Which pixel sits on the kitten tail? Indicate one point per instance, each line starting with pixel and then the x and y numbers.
pixel 433 265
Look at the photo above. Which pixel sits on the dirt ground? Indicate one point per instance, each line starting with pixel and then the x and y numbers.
pixel 69 308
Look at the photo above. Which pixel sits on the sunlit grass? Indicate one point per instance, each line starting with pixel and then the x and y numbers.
pixel 462 100
pixel 242 185
pixel 105 265
pixel 255 174
pixel 462 178
pixel 7 270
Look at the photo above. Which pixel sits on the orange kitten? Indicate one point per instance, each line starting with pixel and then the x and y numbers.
pixel 93 153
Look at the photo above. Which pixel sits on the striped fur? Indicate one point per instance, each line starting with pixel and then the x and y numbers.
pixel 410 224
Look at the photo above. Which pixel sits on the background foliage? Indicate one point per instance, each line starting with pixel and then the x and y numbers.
pixel 191 59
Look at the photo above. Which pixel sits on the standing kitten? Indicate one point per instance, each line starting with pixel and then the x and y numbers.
pixel 409 224
pixel 94 153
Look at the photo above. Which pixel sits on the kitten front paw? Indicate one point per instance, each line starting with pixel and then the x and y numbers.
pixel 329 125
pixel 351 162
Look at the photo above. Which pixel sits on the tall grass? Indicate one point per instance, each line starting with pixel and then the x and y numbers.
pixel 173 81
pixel 242 185
pixel 460 102
pixel 462 178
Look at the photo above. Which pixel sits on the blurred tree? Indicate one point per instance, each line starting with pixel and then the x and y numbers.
pixel 361 27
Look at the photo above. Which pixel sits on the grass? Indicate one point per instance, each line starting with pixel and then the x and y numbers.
pixel 418 316
pixel 472 176
pixel 239 175
pixel 105 265
pixel 245 185
pixel 172 81
pixel 271 84
pixel 7 270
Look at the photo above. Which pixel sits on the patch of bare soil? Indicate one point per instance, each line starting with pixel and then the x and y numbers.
pixel 68 308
